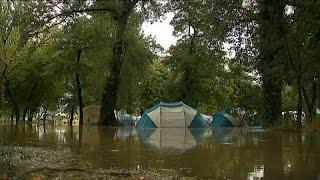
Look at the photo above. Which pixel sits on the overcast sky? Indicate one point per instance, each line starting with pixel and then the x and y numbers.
pixel 162 31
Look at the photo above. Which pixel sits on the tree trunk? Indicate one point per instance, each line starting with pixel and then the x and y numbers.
pixel 79 89
pixel 11 98
pixel 71 115
pixel 310 103
pixel 272 98
pixel 187 81
pixel 109 96
pixel 45 115
pixel 3 75
pixel 270 22
pixel 299 105
pixel 2 79
pixel 12 115
pixel 32 92
pixel 16 113
pixel 30 115
pixel 24 114
pixel 80 137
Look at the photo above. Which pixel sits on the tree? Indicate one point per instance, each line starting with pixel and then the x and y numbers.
pixel 120 11
pixel 140 55
pixel 20 23
pixel 79 46
pixel 199 59
pixel 301 40
pixel 270 64
pixel 109 96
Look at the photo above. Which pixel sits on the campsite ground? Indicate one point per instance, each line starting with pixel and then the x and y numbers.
pixel 38 163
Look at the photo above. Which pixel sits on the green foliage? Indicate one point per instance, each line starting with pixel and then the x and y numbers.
pixel 83 35
pixel 139 55
pixel 274 45
pixel 156 86
pixel 289 98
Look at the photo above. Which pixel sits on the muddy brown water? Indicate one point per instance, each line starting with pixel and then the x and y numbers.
pixel 225 153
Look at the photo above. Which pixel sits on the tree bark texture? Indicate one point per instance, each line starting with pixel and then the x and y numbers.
pixel 71 115
pixel 79 90
pixel 109 97
pixel 270 20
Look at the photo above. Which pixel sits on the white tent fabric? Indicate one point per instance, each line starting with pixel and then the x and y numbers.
pixel 155 116
pixel 172 117
pixel 232 120
pixel 180 116
pixel 189 115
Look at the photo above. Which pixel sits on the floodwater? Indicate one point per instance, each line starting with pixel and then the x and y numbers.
pixel 231 153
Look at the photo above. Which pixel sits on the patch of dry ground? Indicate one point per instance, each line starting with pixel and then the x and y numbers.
pixel 37 163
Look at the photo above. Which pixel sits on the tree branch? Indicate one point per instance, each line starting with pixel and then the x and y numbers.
pixel 289 54
pixel 68 13
pixel 314 93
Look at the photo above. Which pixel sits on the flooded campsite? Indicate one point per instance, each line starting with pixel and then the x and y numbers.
pixel 54 151
pixel 160 89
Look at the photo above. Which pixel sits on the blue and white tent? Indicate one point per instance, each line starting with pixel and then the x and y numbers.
pixel 175 114
pixel 223 120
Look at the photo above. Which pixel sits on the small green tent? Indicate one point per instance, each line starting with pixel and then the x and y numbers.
pixel 175 114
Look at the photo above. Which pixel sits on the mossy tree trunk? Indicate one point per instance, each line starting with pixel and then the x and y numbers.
pixel 311 108
pixel 270 22
pixel 109 97
pixel 71 115
pixel 79 90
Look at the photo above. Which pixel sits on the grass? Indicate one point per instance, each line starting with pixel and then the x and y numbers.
pixel 7 171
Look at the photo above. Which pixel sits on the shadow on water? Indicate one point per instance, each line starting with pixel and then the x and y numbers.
pixel 232 153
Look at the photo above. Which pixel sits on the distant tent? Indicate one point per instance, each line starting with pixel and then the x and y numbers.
pixel 126 119
pixel 220 120
pixel 91 114
pixel 255 121
pixel 176 114
pixel 207 118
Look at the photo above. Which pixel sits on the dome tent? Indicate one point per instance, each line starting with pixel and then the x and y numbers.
pixel 220 120
pixel 175 114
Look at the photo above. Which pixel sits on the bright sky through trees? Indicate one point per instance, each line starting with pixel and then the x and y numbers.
pixel 162 31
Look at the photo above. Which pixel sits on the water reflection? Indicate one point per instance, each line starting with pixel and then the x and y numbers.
pixel 126 132
pixel 208 153
pixel 256 173
pixel 174 140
